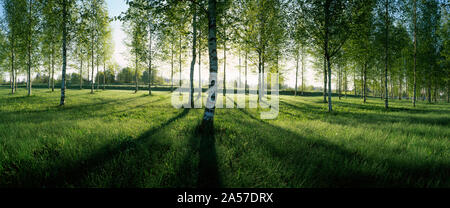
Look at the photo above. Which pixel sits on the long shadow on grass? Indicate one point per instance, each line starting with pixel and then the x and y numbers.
pixel 318 163
pixel 350 118
pixel 373 120
pixel 72 173
pixel 205 170
pixel 208 176
pixel 74 111
pixel 381 108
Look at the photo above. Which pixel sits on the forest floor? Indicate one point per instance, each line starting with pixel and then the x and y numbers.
pixel 118 138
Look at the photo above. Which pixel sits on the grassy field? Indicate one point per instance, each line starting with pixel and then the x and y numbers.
pixel 121 139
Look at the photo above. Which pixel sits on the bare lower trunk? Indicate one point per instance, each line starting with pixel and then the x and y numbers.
pixel 324 80
pixel 64 55
pixel 15 80
pixel 136 75
pixel 171 69
pixel 92 66
pixel 400 89
pixel 303 72
pixel 224 68
pixel 13 75
pixel 381 86
pixel 365 82
pixel 429 93
pixel 340 82
pixel 239 68
pixel 345 83
pixel 29 82
pixel 448 92
pixel 180 60
pixel 104 74
pixel 296 72
pixel 327 55
pixel 194 54
pixel 330 107
pixel 415 53
pixel 29 76
pixel 208 116
pixel 262 93
pixel 259 76
pixel 88 72
pixel 246 56
pixel 150 60
pixel 386 97
pixel 98 76
pixel 81 74
pixel 49 76
pixel 53 69
pixel 199 65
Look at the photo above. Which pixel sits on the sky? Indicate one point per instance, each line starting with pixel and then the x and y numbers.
pixel 115 8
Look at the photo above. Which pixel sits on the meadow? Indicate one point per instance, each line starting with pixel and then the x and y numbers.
pixel 117 138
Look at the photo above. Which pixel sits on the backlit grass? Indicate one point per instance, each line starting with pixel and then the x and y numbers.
pixel 121 139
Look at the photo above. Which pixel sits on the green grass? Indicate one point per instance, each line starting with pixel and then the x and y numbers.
pixel 121 139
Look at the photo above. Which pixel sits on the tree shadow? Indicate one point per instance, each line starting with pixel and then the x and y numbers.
pixel 208 176
pixel 324 164
pixel 381 108
pixel 199 162
pixel 64 173
pixel 82 111
pixel 350 118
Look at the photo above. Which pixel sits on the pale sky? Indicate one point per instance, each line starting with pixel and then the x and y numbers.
pixel 115 7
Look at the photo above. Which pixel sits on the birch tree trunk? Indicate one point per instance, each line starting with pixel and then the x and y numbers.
pixel 296 72
pixel 365 82
pixel 324 80
pixel 92 63
pixel 194 54
pixel 354 83
pixel 64 54
pixel 136 73
pixel 150 59
pixel 49 73
pixel 246 56
pixel 88 72
pixel 259 76
pixel 340 82
pixel 53 68
pixel 29 48
pixel 81 74
pixel 400 88
pixel 171 68
pixel 224 68
pixel 199 64
pixel 327 55
pixel 386 97
pixel 208 116
pixel 98 77
pixel 415 51
pixel 13 76
pixel 179 59
pixel 104 74
pixel 330 107
pixel 303 71
pixel 240 80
